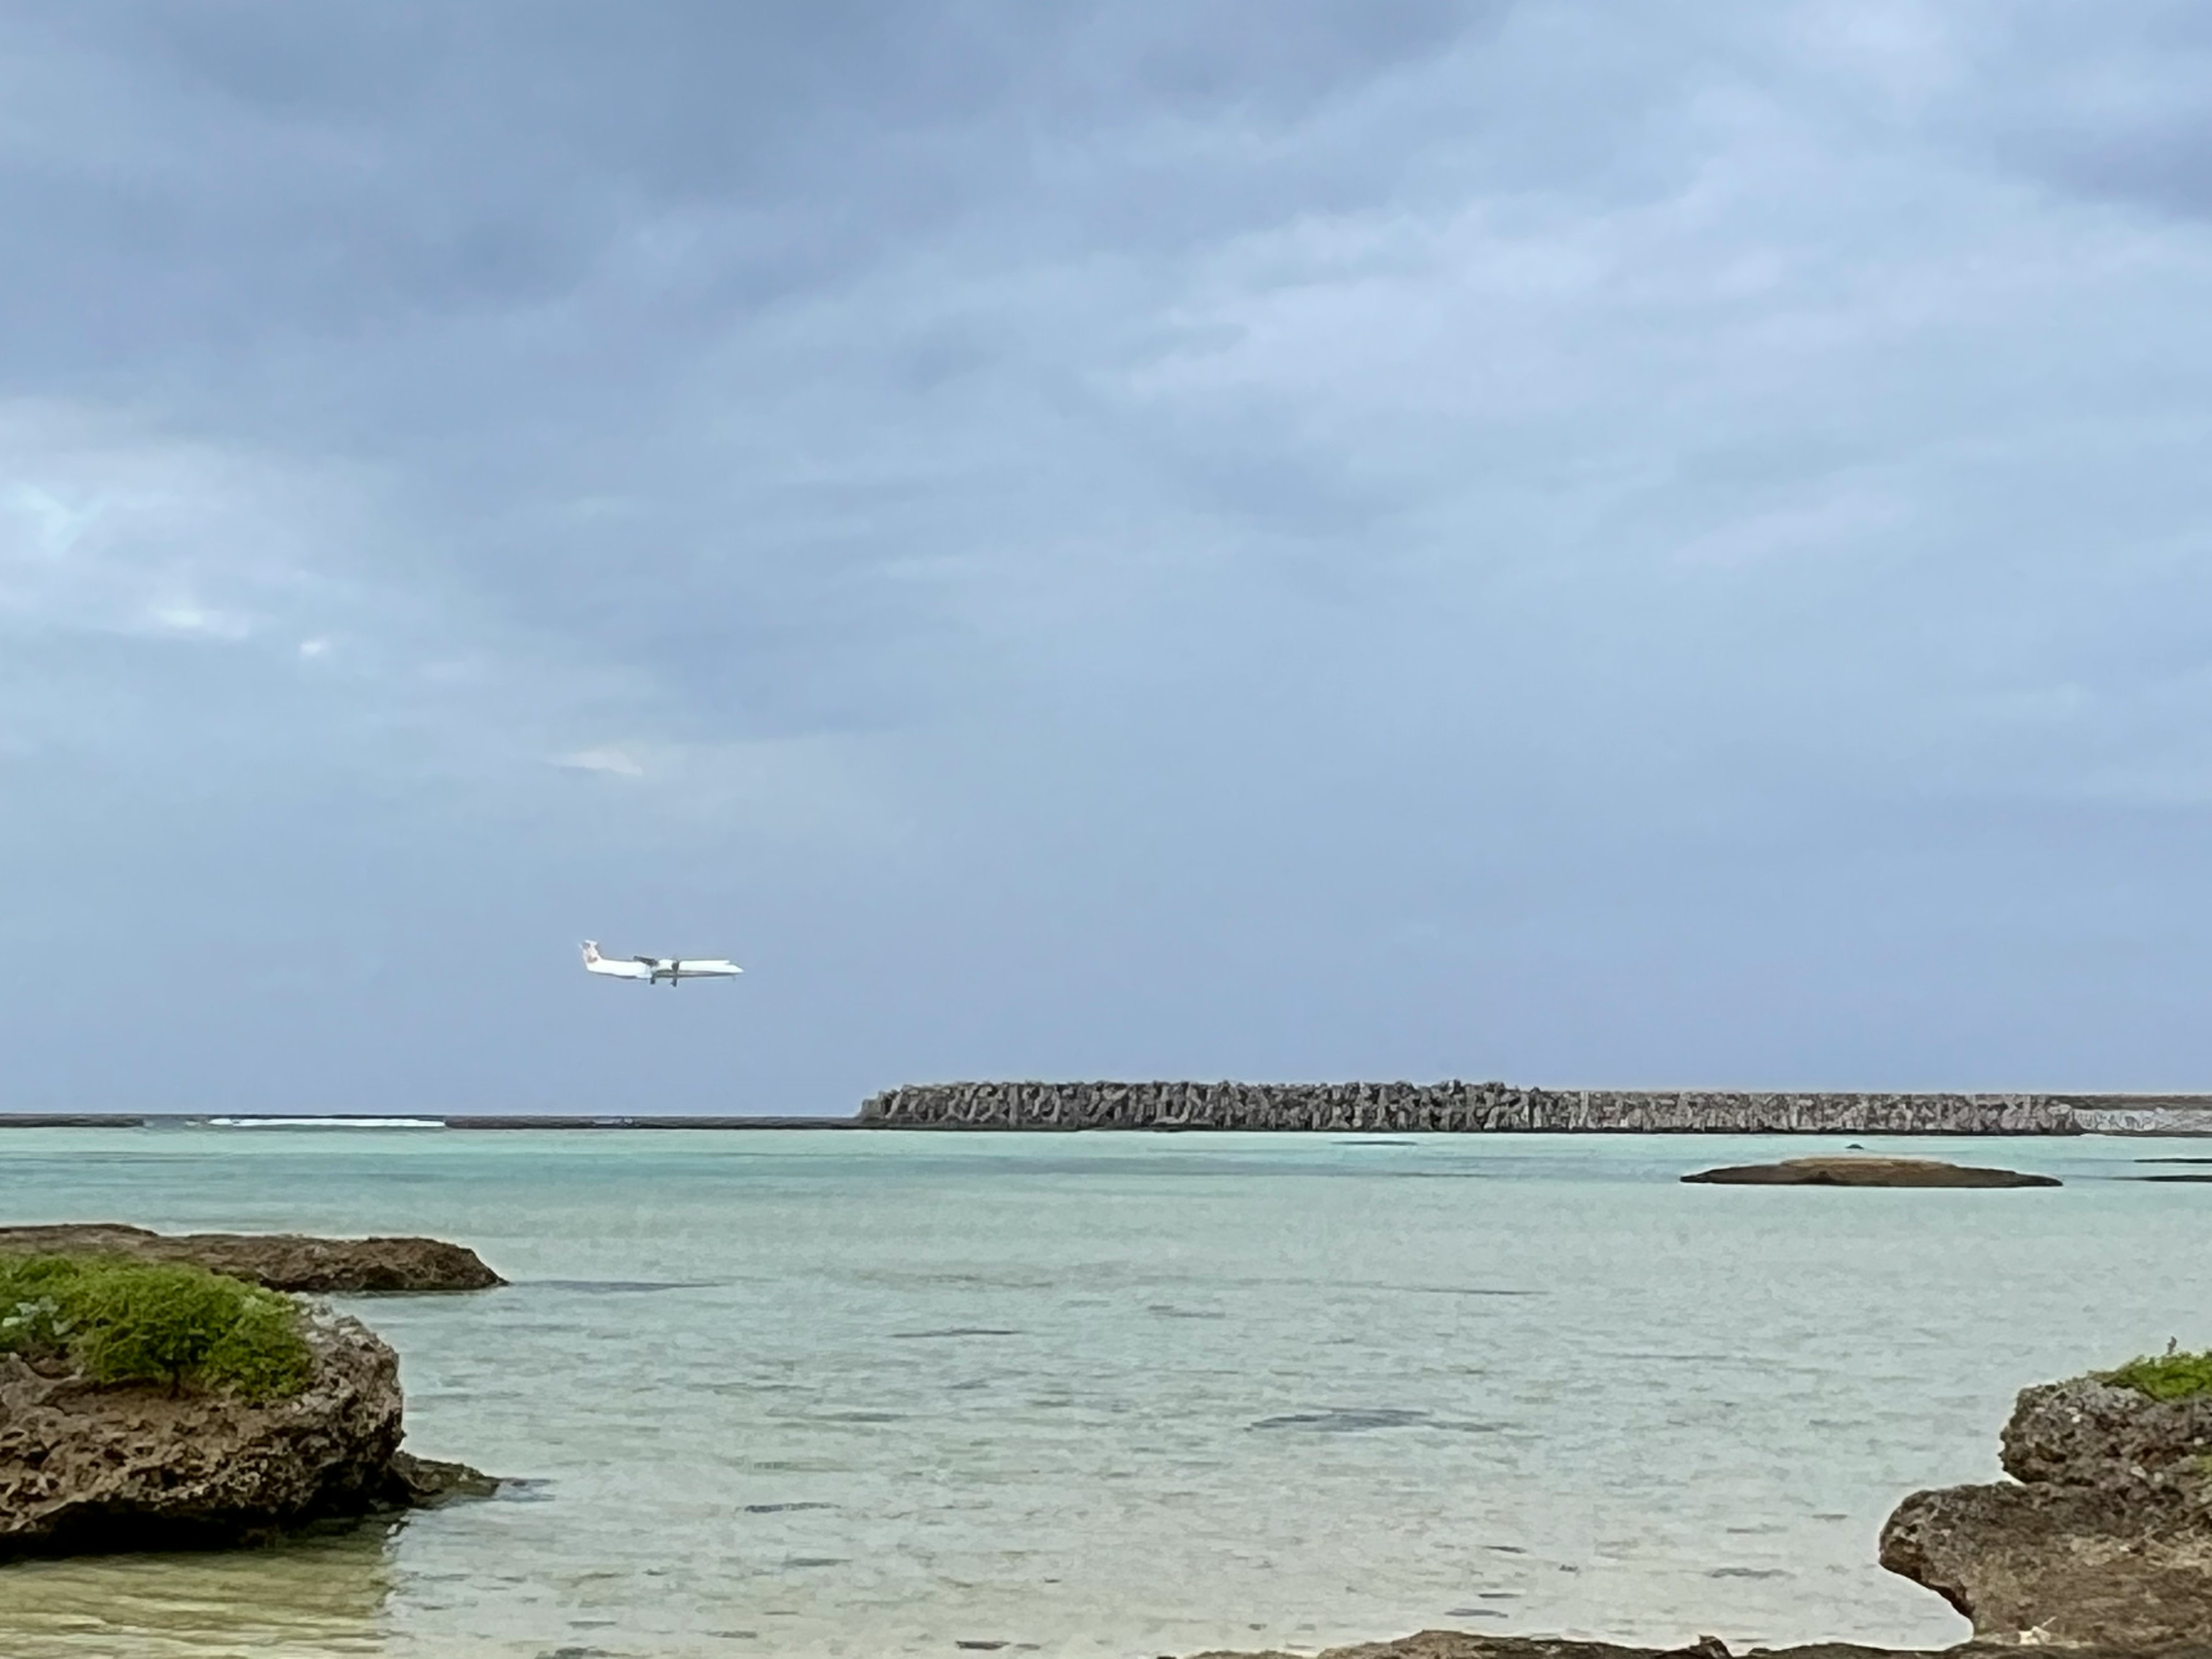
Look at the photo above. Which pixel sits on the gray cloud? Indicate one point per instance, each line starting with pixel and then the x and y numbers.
pixel 1275 538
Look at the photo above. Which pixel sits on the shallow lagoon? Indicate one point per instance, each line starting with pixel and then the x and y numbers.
pixel 794 1392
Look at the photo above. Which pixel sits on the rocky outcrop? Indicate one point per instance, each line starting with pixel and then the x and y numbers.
pixel 86 1469
pixel 2103 1536
pixel 281 1262
pixel 1866 1172
pixel 1466 1644
pixel 2095 1435
pixel 1495 1108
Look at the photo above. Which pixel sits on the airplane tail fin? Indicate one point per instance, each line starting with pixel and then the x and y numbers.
pixel 591 950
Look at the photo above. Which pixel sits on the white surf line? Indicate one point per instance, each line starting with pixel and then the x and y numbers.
pixel 327 1123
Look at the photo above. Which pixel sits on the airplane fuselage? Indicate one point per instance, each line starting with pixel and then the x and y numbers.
pixel 653 970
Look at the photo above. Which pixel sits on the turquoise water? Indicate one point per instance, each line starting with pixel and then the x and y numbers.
pixel 791 1393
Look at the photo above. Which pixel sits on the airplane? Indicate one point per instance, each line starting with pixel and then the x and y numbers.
pixel 652 968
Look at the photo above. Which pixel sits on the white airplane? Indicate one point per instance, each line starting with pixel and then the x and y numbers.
pixel 651 969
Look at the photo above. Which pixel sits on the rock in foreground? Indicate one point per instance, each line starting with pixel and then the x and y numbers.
pixel 1866 1172
pixel 2104 1536
pixel 279 1261
pixel 86 1469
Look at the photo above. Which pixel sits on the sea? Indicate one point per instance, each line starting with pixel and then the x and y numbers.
pixel 1124 1395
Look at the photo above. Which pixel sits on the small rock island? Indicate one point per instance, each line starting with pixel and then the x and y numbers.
pixel 1866 1172
pixel 160 1404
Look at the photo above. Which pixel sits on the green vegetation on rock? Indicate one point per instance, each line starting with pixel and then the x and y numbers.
pixel 2171 1376
pixel 125 1321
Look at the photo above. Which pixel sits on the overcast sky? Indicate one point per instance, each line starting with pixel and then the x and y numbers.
pixel 1586 544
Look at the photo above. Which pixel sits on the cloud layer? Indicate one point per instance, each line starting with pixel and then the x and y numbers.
pixel 1281 539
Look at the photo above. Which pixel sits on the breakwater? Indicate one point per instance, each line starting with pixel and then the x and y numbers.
pixel 1464 1108
pixel 1500 1108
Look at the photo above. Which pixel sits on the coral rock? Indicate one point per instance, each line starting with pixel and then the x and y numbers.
pixel 1866 1172
pixel 84 1468
pixel 281 1261
pixel 2105 1539
pixel 2090 1433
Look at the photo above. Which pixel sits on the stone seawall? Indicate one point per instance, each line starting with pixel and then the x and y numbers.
pixel 1495 1108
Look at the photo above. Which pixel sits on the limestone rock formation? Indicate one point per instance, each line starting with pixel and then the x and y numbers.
pixel 2090 1433
pixel 1866 1172
pixel 2104 1537
pixel 87 1469
pixel 281 1262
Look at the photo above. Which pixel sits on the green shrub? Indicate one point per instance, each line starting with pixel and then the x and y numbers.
pixel 127 1322
pixel 2171 1376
